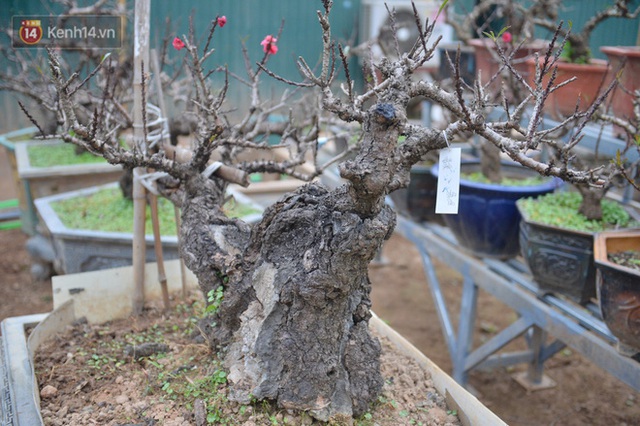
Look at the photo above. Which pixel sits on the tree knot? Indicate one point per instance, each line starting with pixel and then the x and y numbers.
pixel 385 114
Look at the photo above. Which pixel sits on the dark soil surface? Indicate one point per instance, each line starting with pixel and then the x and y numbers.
pixel 629 259
pixel 19 294
pixel 584 394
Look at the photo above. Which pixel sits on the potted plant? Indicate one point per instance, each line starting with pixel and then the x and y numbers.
pixel 557 231
pixel 591 76
pixel 557 242
pixel 617 260
pixel 8 142
pixel 488 221
pixel 52 167
pixel 501 24
pixel 421 193
pixel 490 185
pixel 90 229
pixel 506 30
pixel 418 199
pixel 292 322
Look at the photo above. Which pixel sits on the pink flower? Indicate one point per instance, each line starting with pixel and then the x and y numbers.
pixel 507 37
pixel 269 45
pixel 177 43
pixel 222 20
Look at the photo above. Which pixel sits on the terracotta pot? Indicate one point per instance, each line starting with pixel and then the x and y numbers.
pixel 622 103
pixel 487 60
pixel 591 80
pixel 619 288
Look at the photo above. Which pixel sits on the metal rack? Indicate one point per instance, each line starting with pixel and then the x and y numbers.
pixel 540 316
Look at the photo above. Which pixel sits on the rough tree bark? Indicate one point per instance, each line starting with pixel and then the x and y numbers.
pixel 490 162
pixel 296 291
pixel 591 205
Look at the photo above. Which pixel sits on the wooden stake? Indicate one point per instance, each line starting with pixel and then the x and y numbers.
pixel 183 273
pixel 157 245
pixel 140 58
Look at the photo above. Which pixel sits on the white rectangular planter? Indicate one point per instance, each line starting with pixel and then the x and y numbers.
pixel 19 388
pixel 80 250
pixel 43 181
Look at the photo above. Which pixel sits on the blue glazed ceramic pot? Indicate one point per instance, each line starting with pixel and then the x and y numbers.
pixel 487 223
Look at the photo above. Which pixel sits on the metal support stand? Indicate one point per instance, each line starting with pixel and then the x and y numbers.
pixel 534 378
pixel 539 316
pixel 465 328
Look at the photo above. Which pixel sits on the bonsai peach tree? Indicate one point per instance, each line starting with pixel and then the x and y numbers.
pixel 292 319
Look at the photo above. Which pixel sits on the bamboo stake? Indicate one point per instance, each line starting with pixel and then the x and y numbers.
pixel 183 270
pixel 140 58
pixel 157 245
pixel 123 27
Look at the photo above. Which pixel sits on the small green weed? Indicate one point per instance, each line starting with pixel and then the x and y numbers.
pixel 214 297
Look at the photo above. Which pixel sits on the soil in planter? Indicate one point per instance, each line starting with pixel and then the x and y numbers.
pixel 106 210
pixel 155 370
pixel 629 259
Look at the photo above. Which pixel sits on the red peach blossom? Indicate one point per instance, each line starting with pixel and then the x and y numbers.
pixel 507 37
pixel 177 43
pixel 269 45
pixel 222 20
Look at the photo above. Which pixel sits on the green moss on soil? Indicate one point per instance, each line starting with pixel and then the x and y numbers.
pixel 106 210
pixel 50 155
pixel 478 177
pixel 561 209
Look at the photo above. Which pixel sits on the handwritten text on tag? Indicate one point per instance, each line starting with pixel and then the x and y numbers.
pixel 448 181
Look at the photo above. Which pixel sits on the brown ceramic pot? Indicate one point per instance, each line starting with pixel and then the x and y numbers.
pixel 619 288
pixel 591 80
pixel 622 101
pixel 488 63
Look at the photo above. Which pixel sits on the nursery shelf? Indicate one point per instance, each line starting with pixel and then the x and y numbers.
pixel 540 315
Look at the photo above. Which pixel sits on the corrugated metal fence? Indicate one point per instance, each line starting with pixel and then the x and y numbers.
pixel 247 20
pixel 251 20
pixel 613 32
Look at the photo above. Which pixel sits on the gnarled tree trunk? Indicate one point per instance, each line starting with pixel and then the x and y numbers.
pixel 490 162
pixel 591 205
pixel 302 331
pixel 294 319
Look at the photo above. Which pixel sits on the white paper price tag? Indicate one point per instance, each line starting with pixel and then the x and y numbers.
pixel 448 181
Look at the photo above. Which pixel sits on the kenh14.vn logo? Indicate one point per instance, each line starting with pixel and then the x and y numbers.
pixel 30 31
